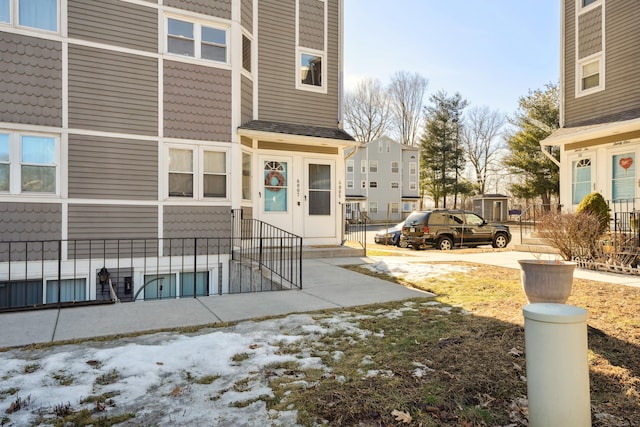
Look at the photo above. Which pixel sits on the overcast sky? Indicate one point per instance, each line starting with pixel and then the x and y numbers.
pixel 491 51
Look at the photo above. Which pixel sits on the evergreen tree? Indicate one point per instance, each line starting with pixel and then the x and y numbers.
pixel 442 152
pixel 537 117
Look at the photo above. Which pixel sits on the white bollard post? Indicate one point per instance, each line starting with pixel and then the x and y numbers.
pixel 557 365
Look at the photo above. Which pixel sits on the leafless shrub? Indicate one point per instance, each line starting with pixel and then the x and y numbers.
pixel 575 235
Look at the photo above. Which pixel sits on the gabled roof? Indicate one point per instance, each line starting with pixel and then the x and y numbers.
pixel 296 129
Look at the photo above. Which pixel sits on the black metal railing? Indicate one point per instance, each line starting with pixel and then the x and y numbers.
pixel 266 257
pixel 530 216
pixel 355 225
pixel 62 273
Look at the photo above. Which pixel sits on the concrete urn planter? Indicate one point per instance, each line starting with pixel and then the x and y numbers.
pixel 547 281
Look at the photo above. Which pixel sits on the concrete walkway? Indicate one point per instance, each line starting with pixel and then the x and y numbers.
pixel 325 286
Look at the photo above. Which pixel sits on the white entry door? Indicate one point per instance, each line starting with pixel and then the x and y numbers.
pixel 320 200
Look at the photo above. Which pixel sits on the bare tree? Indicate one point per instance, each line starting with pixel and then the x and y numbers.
pixel 406 91
pixel 366 110
pixel 480 138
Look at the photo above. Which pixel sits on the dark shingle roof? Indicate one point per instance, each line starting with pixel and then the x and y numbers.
pixel 294 129
pixel 611 118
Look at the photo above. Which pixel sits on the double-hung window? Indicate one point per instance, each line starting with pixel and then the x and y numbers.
pixel 29 164
pixel 38 14
pixel 590 77
pixel 197 40
pixel 197 173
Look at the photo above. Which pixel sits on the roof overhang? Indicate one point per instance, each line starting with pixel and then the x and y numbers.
pixel 297 134
pixel 592 135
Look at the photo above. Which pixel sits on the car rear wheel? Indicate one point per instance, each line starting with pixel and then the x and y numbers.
pixel 500 241
pixel 403 244
pixel 444 243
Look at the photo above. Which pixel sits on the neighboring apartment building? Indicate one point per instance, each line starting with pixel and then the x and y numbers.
pixel 383 178
pixel 599 138
pixel 154 119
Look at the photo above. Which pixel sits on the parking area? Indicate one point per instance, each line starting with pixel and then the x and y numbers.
pixel 373 229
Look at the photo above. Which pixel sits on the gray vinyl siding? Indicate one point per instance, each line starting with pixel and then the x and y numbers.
pixel 622 57
pixel 197 221
pixel 30 221
pixel 247 100
pixel 590 33
pixel 279 100
pixel 311 30
pixel 246 16
pixel 91 221
pixel 112 91
pixel 112 168
pixel 197 102
pixel 218 8
pixel 114 22
pixel 30 80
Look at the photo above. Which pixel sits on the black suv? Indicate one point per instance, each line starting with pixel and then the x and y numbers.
pixel 445 228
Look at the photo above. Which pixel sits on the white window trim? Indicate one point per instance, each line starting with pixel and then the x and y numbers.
pixel 413 186
pixel 580 64
pixel 397 185
pixel 373 184
pixel 413 168
pixel 350 184
pixel 197 34
pixel 373 164
pixel 244 71
pixel 198 172
pixel 397 166
pixel 15 165
pixel 322 53
pixel 363 166
pixel 14 19
pixel 584 9
pixel 363 184
pixel 301 86
pixel 350 164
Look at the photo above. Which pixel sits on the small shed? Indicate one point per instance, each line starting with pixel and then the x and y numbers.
pixel 492 207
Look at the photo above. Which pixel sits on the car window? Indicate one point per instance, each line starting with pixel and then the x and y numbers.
pixel 455 219
pixel 473 219
pixel 438 218
pixel 414 219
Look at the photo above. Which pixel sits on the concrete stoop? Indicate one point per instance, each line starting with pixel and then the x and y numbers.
pixel 331 251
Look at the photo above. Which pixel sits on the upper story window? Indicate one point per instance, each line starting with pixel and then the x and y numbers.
pixel 196 40
pixel 588 4
pixel 350 184
pixel 373 166
pixel 246 53
pixel 373 184
pixel 363 166
pixel 311 70
pixel 590 75
pixel 350 166
pixel 413 168
pixel 395 167
pixel 29 163
pixel 395 185
pixel 38 14
pixel 197 173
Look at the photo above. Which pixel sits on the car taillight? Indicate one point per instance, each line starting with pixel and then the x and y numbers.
pixel 426 229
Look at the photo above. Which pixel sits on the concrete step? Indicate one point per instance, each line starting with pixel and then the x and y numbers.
pixel 331 251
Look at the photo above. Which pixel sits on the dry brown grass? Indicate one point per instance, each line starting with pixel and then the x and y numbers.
pixel 474 358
